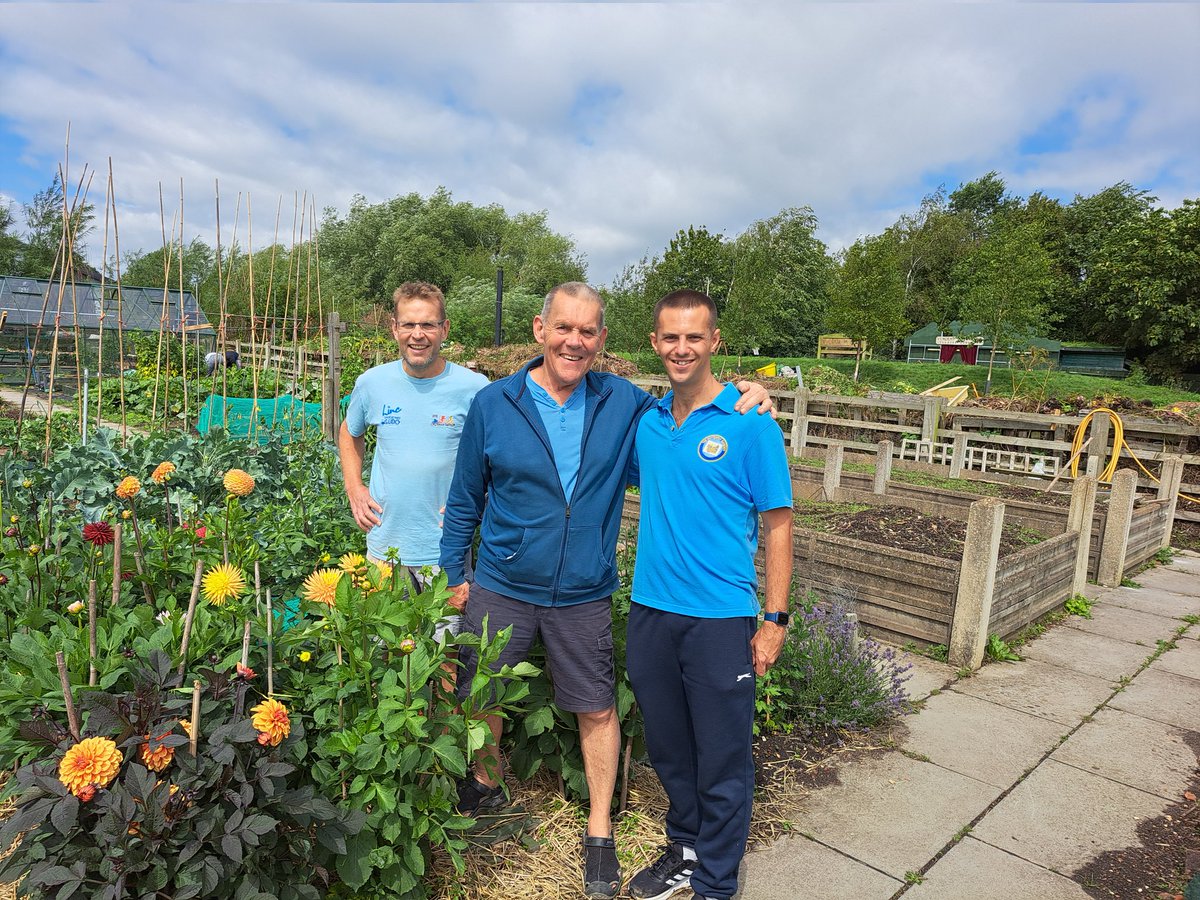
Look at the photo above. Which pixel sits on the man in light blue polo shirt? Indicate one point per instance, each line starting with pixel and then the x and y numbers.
pixel 418 406
pixel 694 643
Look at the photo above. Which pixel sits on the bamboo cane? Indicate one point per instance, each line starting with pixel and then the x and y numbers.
pixel 183 364
pixel 162 318
pixel 116 579
pixel 120 312
pixel 194 730
pixel 65 681
pixel 190 616
pixel 103 315
pixel 270 646
pixel 92 674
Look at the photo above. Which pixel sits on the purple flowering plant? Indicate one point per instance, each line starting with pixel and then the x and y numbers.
pixel 827 676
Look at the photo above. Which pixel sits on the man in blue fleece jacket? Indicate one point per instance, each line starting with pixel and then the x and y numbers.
pixel 542 466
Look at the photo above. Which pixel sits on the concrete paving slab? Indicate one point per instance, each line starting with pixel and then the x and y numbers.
pixel 1135 751
pixel 926 675
pixel 1061 817
pixel 1091 654
pixel 1181 580
pixel 1163 697
pixel 1183 660
pixel 1186 561
pixel 980 871
pixel 893 813
pixel 798 866
pixel 1038 688
pixel 1095 591
pixel 1131 625
pixel 1154 599
pixel 959 732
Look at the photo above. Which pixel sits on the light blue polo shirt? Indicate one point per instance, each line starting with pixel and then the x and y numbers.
pixel 418 424
pixel 703 485
pixel 564 425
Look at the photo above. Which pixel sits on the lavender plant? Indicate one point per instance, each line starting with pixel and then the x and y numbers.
pixel 827 676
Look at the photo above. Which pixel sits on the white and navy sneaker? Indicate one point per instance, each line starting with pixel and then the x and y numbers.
pixel 666 875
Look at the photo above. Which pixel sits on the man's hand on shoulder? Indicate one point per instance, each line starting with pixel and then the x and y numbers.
pixel 459 594
pixel 754 394
pixel 766 645
pixel 365 508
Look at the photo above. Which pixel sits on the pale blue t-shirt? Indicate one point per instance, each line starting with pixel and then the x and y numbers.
pixel 564 425
pixel 418 424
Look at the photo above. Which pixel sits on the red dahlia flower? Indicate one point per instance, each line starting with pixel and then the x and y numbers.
pixel 98 534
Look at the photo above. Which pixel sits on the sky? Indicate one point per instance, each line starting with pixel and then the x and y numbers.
pixel 624 121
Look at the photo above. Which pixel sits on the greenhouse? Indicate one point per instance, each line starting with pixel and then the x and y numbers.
pixel 79 323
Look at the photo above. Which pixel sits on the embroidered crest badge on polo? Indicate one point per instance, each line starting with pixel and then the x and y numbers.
pixel 713 448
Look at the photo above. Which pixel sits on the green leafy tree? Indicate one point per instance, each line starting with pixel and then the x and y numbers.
pixel 161 267
pixel 696 259
pixel 928 245
pixel 1006 285
pixel 629 311
pixel 866 298
pixel 44 217
pixel 1146 281
pixel 11 246
pixel 374 247
pixel 778 295
pixel 471 308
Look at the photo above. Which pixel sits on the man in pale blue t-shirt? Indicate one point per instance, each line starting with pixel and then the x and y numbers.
pixel 418 405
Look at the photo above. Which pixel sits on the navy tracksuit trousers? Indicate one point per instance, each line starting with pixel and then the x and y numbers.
pixel 694 680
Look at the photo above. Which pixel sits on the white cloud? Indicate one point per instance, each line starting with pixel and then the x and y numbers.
pixel 713 114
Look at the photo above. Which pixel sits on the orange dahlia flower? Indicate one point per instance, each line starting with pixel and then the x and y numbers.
pixel 321 586
pixel 238 482
pixel 128 488
pixel 271 722
pixel 162 472
pixel 156 758
pixel 92 763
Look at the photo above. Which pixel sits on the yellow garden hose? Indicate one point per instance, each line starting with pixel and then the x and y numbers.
pixel 1118 444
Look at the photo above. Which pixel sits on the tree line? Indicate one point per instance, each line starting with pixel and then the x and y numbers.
pixel 1112 267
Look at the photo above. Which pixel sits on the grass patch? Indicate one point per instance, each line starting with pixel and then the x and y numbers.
pixel 815 515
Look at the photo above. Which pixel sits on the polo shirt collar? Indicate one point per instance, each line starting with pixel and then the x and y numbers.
pixel 724 401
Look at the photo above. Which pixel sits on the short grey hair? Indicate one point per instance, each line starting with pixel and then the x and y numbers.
pixel 579 291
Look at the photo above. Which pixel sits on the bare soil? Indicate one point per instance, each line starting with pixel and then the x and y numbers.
pixel 906 529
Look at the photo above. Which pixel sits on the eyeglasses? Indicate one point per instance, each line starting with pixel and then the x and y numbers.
pixel 410 327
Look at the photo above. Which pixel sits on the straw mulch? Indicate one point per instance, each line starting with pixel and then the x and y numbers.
pixel 497 362
pixel 544 863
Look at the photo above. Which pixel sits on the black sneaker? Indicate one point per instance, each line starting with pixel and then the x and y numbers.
pixel 474 798
pixel 662 878
pixel 601 871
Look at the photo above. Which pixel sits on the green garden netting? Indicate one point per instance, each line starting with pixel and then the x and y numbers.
pixel 285 417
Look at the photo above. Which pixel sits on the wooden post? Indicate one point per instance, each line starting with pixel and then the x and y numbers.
pixel 959 458
pixel 1116 528
pixel 1098 441
pixel 1170 480
pixel 883 466
pixel 976 584
pixel 834 454
pixel 931 418
pixel 1079 518
pixel 799 435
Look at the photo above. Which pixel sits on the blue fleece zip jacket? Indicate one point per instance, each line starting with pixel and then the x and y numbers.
pixel 537 545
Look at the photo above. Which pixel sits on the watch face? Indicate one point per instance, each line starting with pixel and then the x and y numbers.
pixel 780 618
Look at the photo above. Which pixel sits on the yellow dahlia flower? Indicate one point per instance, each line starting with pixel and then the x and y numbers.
pixel 93 762
pixel 271 722
pixel 222 583
pixel 128 488
pixel 321 586
pixel 350 562
pixel 385 569
pixel 156 758
pixel 238 483
pixel 162 473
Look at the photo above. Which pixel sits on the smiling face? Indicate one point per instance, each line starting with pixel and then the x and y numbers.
pixel 685 340
pixel 572 335
pixel 419 329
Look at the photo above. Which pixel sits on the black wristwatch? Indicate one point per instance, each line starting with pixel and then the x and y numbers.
pixel 779 618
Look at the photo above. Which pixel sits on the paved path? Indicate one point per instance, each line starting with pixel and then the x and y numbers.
pixel 1010 780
